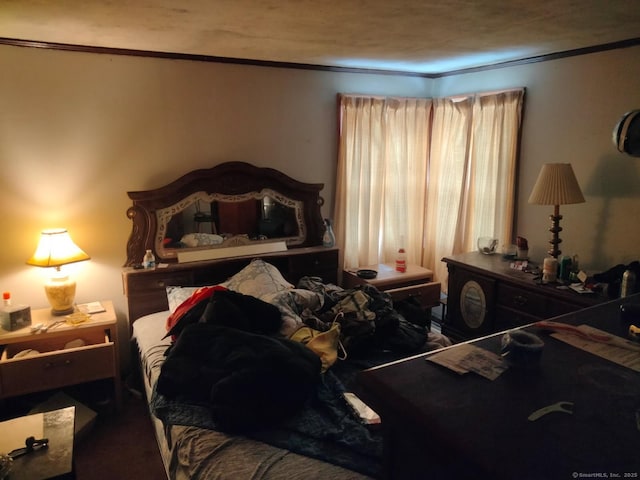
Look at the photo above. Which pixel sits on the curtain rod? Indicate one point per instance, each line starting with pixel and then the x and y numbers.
pixel 453 98
pixel 463 96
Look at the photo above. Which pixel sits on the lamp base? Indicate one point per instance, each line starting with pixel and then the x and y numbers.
pixel 58 313
pixel 555 229
pixel 61 293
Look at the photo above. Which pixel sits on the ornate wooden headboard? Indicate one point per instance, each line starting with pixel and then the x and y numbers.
pixel 226 183
pixel 233 182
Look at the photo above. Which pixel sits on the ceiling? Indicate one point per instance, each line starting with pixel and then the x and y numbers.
pixel 420 36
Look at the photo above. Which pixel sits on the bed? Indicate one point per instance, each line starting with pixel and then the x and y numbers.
pixel 303 428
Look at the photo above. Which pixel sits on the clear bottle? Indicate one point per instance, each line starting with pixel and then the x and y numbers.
pixel 575 269
pixel 401 258
pixel 328 239
pixel 149 260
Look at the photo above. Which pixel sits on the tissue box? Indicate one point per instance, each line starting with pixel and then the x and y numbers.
pixel 15 318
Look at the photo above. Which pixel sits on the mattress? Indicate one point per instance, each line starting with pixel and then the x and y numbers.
pixel 191 452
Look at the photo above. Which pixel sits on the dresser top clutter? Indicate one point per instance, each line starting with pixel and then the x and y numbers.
pixel 486 294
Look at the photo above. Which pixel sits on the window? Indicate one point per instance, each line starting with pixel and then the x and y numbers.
pixel 433 175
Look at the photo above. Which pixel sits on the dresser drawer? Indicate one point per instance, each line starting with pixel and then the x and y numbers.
pixel 507 318
pixel 427 294
pixel 528 302
pixel 560 308
pixel 54 366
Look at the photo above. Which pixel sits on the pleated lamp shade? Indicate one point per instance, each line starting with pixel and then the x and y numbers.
pixel 556 185
pixel 55 249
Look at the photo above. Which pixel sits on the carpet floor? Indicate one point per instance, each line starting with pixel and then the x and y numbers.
pixel 120 446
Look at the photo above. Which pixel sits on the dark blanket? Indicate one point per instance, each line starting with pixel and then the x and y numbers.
pixel 324 428
pixel 269 388
pixel 247 380
pixel 228 309
pixel 266 388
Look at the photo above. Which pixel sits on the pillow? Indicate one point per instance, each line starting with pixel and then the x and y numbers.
pixel 177 296
pixel 257 279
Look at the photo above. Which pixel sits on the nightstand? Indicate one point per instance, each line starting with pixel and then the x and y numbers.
pixel 416 282
pixel 64 355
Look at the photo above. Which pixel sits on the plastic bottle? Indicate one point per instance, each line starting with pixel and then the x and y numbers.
pixel 628 286
pixel 149 260
pixel 6 299
pixel 549 270
pixel 401 258
pixel 565 268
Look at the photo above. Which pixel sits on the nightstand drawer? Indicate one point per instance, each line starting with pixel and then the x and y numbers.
pixel 55 366
pixel 427 294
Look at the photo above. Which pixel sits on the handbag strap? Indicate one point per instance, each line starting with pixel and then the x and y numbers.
pixel 342 353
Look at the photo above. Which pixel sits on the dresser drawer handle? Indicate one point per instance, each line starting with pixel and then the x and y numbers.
pixel 161 283
pixel 520 300
pixel 57 364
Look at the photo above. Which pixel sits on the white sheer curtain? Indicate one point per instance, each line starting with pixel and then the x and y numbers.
pixel 472 173
pixel 438 173
pixel 382 178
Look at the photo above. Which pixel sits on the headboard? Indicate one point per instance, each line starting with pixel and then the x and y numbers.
pixel 224 200
pixel 219 201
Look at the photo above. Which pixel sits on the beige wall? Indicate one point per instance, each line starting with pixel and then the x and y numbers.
pixel 79 130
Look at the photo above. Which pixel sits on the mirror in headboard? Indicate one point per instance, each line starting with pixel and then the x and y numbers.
pixel 232 203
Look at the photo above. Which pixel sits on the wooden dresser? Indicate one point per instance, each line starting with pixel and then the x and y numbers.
pixel 146 289
pixel 486 295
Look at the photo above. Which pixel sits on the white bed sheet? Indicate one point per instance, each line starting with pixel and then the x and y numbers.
pixel 147 334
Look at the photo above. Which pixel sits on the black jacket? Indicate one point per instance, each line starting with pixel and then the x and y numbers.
pixel 249 381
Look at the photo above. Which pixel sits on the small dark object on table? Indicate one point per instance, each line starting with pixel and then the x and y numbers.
pixel 367 274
